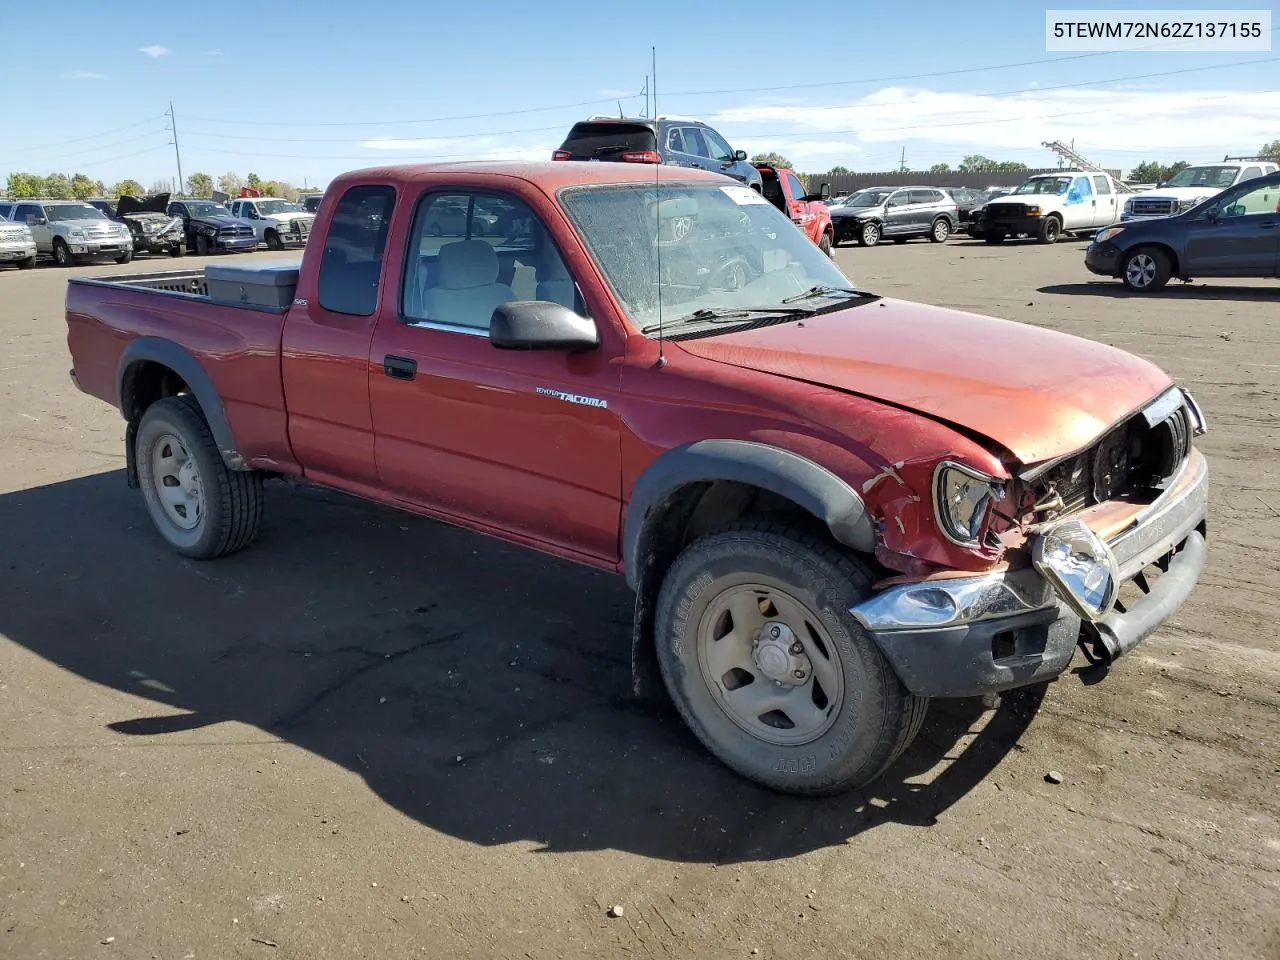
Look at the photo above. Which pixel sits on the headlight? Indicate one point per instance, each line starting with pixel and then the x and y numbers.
pixel 1107 233
pixel 1080 566
pixel 1198 423
pixel 1128 206
pixel 1033 211
pixel 1185 205
pixel 75 233
pixel 961 498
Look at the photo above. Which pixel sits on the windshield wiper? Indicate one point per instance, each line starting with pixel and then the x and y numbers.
pixel 726 314
pixel 822 290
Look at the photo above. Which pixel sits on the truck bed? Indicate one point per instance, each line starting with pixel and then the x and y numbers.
pixel 193 312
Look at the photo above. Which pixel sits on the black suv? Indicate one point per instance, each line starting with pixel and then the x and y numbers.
pixel 1234 234
pixel 679 142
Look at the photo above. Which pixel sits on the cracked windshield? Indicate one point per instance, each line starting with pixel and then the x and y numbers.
pixel 720 253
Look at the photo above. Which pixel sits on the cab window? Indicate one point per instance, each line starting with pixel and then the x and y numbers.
pixel 351 265
pixel 471 252
pixel 798 190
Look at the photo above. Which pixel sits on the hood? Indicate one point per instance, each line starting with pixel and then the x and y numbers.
pixel 290 217
pixel 131 205
pixel 224 220
pixel 838 212
pixel 1038 393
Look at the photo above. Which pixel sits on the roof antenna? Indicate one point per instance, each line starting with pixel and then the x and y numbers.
pixel 657 208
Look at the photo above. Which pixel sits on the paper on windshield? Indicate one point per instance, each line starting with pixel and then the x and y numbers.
pixel 743 195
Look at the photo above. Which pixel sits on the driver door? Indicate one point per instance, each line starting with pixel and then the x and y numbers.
pixel 521 443
pixel 1244 241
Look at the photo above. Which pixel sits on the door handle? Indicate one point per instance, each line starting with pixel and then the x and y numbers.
pixel 399 368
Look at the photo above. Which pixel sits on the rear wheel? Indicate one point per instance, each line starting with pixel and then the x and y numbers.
pixel 869 234
pixel 825 243
pixel 200 507
pixel 768 669
pixel 1146 269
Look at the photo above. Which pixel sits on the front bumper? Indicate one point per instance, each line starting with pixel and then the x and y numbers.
pixel 10 252
pixel 971 635
pixel 101 247
pixel 845 228
pixel 1103 258
pixel 235 243
pixel 994 223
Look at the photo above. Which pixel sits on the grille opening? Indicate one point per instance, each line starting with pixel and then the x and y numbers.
pixel 1004 645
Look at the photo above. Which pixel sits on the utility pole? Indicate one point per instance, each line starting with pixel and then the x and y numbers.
pixel 646 94
pixel 173 125
pixel 653 53
pixel 902 165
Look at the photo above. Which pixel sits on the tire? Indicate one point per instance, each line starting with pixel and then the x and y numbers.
pixel 869 234
pixel 840 738
pixel 1050 230
pixel 825 244
pixel 125 258
pixel 273 240
pixel 217 511
pixel 941 230
pixel 178 250
pixel 27 264
pixel 1146 269
pixel 202 245
pixel 62 255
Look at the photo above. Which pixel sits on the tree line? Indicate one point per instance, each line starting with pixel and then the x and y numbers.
pixel 59 186
pixel 974 163
pixel 1152 171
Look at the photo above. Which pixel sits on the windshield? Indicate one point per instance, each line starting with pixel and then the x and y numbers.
pixel 1203 177
pixel 207 210
pixel 1043 185
pixel 715 248
pixel 868 198
pixel 73 211
pixel 269 207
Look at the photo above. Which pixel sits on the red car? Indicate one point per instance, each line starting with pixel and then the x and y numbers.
pixel 784 189
pixel 832 506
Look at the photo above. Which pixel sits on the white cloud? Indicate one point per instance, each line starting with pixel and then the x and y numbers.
pixel 1110 126
pixel 83 75
pixel 154 51
pixel 612 92
pixel 213 53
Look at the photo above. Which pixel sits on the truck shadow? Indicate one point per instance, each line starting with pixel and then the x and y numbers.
pixel 478 688
pixel 1189 291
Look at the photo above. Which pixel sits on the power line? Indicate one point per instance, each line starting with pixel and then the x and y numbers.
pixel 94 136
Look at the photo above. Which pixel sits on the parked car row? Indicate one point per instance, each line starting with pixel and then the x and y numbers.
pixel 74 231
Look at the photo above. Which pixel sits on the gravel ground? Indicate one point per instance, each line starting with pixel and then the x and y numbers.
pixel 375 736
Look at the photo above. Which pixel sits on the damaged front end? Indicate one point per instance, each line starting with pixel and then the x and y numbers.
pixel 1002 576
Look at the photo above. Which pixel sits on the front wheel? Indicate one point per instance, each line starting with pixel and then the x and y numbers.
pixel 869 235
pixel 200 507
pixel 273 241
pixel 125 257
pixel 941 230
pixel 1050 230
pixel 202 245
pixel 62 253
pixel 178 250
pixel 1146 270
pixel 765 665
pixel 28 263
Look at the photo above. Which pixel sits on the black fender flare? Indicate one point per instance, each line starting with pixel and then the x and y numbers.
pixel 812 486
pixel 177 358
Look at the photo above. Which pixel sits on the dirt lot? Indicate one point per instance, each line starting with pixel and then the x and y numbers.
pixel 374 736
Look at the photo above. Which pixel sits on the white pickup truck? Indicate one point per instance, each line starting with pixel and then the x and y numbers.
pixel 278 223
pixel 1048 205
pixel 1193 185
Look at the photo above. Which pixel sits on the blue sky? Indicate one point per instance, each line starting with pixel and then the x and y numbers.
pixel 302 91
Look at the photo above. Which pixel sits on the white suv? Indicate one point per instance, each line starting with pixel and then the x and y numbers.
pixel 72 230
pixel 1192 186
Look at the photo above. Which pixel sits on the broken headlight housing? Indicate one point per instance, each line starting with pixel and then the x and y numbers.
pixel 961 499
pixel 1080 567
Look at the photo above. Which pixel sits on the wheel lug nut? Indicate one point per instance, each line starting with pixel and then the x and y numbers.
pixel 775 632
pixel 797 649
pixel 799 674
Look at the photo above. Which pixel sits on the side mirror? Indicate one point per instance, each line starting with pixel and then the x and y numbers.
pixel 37 221
pixel 739 154
pixel 824 190
pixel 541 325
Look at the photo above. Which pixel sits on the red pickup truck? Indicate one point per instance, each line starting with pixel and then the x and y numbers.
pixel 832 506
pixel 808 211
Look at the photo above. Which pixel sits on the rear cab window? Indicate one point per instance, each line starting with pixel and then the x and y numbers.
pixel 602 140
pixel 351 265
